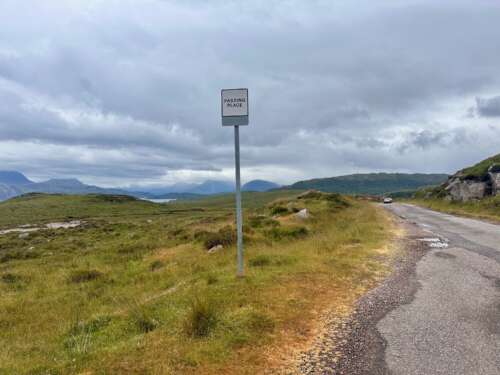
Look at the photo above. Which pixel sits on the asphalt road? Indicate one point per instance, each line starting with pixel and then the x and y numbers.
pixel 451 325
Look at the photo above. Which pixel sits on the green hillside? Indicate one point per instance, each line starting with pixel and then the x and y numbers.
pixel 372 183
pixel 481 169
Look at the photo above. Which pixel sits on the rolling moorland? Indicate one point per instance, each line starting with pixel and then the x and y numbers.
pixel 135 289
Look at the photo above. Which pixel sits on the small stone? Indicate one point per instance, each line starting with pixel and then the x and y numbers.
pixel 215 249
pixel 302 214
pixel 24 235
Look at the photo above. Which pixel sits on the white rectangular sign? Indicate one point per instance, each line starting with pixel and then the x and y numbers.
pixel 234 102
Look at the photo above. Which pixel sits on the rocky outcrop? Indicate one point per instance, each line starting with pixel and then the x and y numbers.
pixel 466 190
pixel 494 173
pixel 463 187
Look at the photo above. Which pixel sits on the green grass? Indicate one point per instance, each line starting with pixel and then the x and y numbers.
pixel 481 169
pixel 133 290
pixel 487 208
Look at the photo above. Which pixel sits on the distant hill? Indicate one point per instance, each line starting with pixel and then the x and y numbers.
pixel 13 178
pixel 19 185
pixel 371 183
pixel 259 185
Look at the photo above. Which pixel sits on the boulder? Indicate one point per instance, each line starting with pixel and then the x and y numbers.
pixel 303 214
pixel 494 173
pixel 215 249
pixel 466 190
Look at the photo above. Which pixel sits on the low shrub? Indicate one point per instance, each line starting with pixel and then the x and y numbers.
pixel 225 236
pixel 81 334
pixel 19 255
pixel 260 322
pixel 156 265
pixel 278 210
pixel 10 278
pixel 83 276
pixel 44 370
pixel 260 261
pixel 311 194
pixel 262 221
pixel 179 233
pixel 267 260
pixel 201 318
pixel 211 279
pixel 142 318
pixel 145 323
pixel 91 326
pixel 280 233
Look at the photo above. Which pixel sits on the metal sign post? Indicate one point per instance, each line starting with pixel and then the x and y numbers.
pixel 234 108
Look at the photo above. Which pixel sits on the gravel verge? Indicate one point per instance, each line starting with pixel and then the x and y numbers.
pixel 353 345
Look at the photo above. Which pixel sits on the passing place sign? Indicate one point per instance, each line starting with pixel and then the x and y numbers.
pixel 234 104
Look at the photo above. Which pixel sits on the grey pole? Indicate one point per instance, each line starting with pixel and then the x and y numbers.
pixel 239 219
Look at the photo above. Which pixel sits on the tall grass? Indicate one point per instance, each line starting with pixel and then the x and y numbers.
pixel 488 208
pixel 172 307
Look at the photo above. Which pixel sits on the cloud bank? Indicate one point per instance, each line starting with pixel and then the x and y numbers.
pixel 127 92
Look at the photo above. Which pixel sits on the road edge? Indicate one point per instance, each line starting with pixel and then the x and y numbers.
pixel 354 345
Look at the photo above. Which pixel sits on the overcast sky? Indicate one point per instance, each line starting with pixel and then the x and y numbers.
pixel 119 93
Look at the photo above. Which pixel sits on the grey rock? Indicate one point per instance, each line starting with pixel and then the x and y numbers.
pixel 24 235
pixel 215 249
pixel 466 190
pixel 495 181
pixel 303 214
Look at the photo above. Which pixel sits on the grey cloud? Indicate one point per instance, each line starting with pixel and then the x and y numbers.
pixel 348 82
pixel 488 107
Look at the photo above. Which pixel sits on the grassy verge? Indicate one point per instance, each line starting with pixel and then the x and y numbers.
pixel 488 208
pixel 135 291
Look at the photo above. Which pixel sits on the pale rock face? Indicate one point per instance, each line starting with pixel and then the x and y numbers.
pixel 215 249
pixel 466 190
pixel 302 214
pixel 495 183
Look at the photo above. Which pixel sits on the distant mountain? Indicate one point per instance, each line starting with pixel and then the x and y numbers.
pixel 68 186
pixel 204 188
pixel 212 187
pixel 259 185
pixel 13 178
pixel 371 183
pixel 9 191
pixel 61 186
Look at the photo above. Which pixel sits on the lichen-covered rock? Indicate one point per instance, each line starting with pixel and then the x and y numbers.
pixel 494 173
pixel 466 190
pixel 479 181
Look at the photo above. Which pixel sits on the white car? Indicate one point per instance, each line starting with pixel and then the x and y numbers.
pixel 387 200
